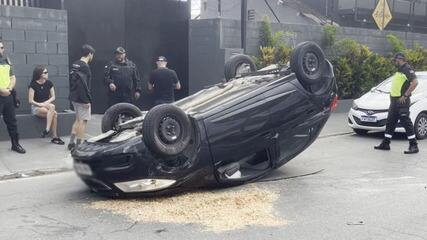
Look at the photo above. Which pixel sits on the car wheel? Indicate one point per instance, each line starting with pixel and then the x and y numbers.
pixel 118 114
pixel 361 132
pixel 308 63
pixel 166 130
pixel 421 126
pixel 238 65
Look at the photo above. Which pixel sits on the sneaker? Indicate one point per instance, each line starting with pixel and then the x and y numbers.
pixel 45 133
pixel 57 140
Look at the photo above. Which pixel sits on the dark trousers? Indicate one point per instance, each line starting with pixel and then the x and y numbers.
pixel 119 98
pixel 7 109
pixel 396 112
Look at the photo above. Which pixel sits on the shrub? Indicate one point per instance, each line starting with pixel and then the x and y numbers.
pixel 358 69
pixel 329 35
pixel 396 43
pixel 273 48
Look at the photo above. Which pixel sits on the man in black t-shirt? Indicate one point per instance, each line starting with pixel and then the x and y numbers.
pixel 80 97
pixel 163 82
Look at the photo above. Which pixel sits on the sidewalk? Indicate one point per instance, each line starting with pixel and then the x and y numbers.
pixel 42 157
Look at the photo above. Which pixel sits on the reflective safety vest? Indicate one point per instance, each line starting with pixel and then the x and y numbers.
pixel 397 83
pixel 4 75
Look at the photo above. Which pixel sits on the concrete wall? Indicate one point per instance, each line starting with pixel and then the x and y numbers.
pixel 211 40
pixel 36 36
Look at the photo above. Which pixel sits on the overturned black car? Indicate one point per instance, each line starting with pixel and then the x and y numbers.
pixel 227 134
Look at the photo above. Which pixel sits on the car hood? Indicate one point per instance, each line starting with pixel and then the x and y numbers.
pixel 375 100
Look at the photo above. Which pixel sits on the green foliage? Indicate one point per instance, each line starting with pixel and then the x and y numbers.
pixel 416 56
pixel 329 35
pixel 358 69
pixel 273 48
pixel 266 33
pixel 396 43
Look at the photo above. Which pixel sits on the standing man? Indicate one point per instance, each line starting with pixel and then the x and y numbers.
pixel 404 83
pixel 80 97
pixel 122 78
pixel 163 81
pixel 7 106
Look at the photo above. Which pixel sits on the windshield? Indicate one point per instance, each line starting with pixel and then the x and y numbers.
pixel 385 86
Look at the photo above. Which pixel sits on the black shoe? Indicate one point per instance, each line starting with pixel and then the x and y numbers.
pixel 71 146
pixel 413 148
pixel 383 146
pixel 57 140
pixel 45 133
pixel 18 148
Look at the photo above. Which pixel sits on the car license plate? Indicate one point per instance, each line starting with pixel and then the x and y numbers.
pixel 83 169
pixel 369 119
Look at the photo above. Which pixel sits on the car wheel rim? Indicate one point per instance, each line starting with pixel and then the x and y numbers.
pixel 121 118
pixel 422 126
pixel 310 63
pixel 169 129
pixel 242 69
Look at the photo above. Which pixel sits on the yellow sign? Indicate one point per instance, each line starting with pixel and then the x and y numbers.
pixel 382 14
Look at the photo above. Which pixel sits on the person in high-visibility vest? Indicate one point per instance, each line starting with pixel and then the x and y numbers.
pixel 7 106
pixel 404 82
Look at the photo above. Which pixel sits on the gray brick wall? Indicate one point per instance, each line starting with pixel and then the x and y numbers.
pixel 35 36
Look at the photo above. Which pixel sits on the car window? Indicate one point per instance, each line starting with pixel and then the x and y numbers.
pixel 385 86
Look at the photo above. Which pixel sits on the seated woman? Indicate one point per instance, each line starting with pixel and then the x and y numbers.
pixel 41 95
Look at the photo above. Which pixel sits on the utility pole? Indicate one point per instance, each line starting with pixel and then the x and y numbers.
pixel 244 22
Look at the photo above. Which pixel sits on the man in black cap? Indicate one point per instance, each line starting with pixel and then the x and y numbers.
pixel 122 78
pixel 404 82
pixel 163 81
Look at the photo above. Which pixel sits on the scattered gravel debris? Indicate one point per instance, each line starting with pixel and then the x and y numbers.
pixel 217 211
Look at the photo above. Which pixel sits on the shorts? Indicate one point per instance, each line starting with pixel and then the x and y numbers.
pixel 34 110
pixel 83 111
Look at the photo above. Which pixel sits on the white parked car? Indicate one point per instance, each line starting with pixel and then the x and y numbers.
pixel 369 112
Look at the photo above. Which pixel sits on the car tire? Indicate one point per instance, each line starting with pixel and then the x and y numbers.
pixel 166 130
pixel 237 65
pixel 308 63
pixel 420 126
pixel 117 114
pixel 361 132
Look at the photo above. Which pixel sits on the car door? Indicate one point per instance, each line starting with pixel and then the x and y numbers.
pixel 240 131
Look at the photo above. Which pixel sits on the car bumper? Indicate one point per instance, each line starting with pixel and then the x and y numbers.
pixel 129 169
pixel 355 121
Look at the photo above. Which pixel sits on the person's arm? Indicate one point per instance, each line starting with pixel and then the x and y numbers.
pixel 412 78
pixel 413 83
pixel 151 83
pixel 107 77
pixel 31 98
pixel 12 82
pixel 412 86
pixel 176 81
pixel 52 96
pixel 136 78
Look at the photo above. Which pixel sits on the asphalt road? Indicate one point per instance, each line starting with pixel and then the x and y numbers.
pixel 360 194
